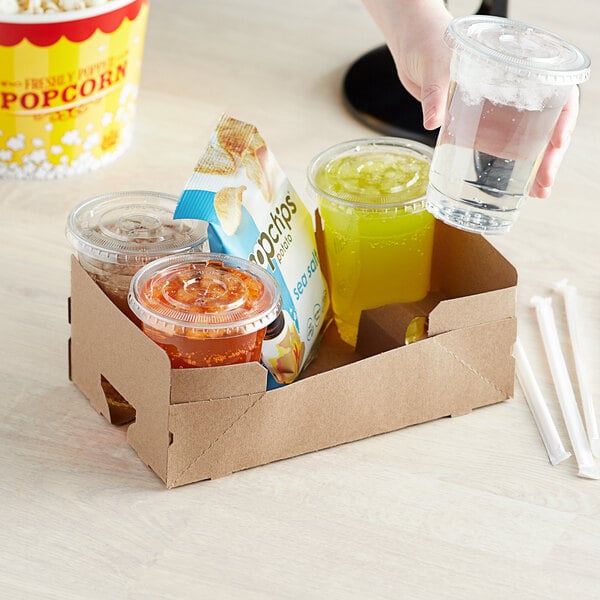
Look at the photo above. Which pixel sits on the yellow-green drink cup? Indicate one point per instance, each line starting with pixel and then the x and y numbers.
pixel 378 234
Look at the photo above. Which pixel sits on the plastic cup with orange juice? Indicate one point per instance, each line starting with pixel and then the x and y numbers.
pixel 205 310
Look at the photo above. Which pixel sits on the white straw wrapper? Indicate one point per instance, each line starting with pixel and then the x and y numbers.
pixel 569 293
pixel 566 397
pixel 538 407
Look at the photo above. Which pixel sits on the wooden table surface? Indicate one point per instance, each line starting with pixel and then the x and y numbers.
pixel 458 508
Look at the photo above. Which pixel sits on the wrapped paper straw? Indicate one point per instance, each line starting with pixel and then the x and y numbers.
pixel 538 407
pixel 566 397
pixel 569 293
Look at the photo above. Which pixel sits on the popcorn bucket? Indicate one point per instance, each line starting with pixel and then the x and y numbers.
pixel 68 88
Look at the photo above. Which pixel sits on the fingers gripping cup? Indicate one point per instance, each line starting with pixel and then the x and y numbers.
pixel 509 83
pixel 116 234
pixel 206 310
pixel 378 235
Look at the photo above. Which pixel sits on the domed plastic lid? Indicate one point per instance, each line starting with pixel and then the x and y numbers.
pixel 132 228
pixel 529 51
pixel 370 172
pixel 212 295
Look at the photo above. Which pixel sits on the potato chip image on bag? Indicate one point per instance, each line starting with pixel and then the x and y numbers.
pixel 258 166
pixel 254 212
pixel 228 207
pixel 216 160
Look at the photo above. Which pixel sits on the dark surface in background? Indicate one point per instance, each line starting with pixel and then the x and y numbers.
pixel 374 95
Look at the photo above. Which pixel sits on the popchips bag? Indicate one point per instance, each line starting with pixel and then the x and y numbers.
pixel 253 212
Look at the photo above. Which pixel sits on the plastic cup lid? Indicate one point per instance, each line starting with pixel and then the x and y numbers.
pixel 528 51
pixel 132 228
pixel 206 293
pixel 372 172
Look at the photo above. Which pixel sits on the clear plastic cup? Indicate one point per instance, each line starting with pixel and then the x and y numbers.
pixel 116 234
pixel 378 235
pixel 509 83
pixel 207 309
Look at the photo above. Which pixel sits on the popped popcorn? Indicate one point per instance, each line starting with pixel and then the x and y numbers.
pixel 16 142
pixel 35 7
pixel 9 7
pixel 71 138
pixel 71 4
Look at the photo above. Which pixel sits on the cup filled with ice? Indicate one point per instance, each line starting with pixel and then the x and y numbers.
pixel 116 234
pixel 509 83
pixel 378 237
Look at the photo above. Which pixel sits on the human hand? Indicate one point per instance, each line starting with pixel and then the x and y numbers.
pixel 557 147
pixel 414 32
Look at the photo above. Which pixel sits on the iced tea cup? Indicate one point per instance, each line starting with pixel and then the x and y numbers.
pixel 114 235
pixel 509 83
pixel 205 310
pixel 378 236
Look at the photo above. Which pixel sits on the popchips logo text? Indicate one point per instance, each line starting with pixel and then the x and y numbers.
pixel 273 242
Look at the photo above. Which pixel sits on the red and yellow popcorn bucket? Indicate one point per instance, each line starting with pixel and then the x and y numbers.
pixel 68 88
